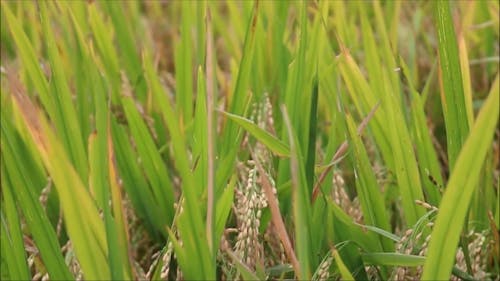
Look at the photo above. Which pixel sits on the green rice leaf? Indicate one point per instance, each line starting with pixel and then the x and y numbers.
pixel 452 89
pixel 14 173
pixel 12 237
pixel 459 190
pixel 274 144
pixel 344 272
pixel 372 202
pixel 80 213
pixel 393 259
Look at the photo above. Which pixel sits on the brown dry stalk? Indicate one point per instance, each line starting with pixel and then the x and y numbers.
pixel 341 152
pixel 276 217
pixel 28 109
pixel 496 236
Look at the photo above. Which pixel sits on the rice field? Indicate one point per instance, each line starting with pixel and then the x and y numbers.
pixel 250 140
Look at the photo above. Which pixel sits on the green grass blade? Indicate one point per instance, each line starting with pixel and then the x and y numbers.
pixel 372 202
pixel 237 100
pixel 190 223
pixel 301 203
pixel 81 217
pixel 135 183
pixel 58 106
pixel 103 37
pixel 246 272
pixel 354 237
pixel 184 64
pixel 381 232
pixel 200 135
pixel 405 163
pixel 36 219
pixel 466 79
pixel 68 128
pixel 223 208
pixel 459 190
pixel 124 25
pixel 393 259
pixel 344 271
pixel 274 144
pixel 11 235
pixel 311 149
pixel 119 221
pixel 154 167
pixel 30 62
pixel 425 151
pixel 452 91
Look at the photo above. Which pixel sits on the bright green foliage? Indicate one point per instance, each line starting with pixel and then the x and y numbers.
pixel 453 98
pixel 244 140
pixel 459 190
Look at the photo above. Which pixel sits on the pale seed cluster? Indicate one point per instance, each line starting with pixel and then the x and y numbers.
pixel 323 271
pixel 167 257
pixel 250 198
pixel 262 115
pixel 477 252
pixel 138 271
pixel 250 202
pixel 153 265
pixel 412 243
pixel 44 195
pixel 341 198
pixel 71 260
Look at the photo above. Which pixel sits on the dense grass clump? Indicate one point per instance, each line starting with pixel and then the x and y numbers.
pixel 250 140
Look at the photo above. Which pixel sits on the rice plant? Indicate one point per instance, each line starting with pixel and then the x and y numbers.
pixel 250 140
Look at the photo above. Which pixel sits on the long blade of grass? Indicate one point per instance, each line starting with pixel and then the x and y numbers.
pixel 84 226
pixel 223 209
pixel 341 152
pixel 123 24
pixel 463 180
pixel 452 89
pixel 103 37
pixel 246 272
pixel 58 106
pixel 184 64
pixel 372 202
pixel 311 148
pixel 36 219
pixel 393 259
pixel 425 152
pixel 119 214
pixel 12 237
pixel 211 133
pixel 301 207
pixel 135 183
pixel 69 128
pixel 190 224
pixel 30 62
pixel 273 143
pixel 153 164
pixel 344 271
pixel 101 183
pixel 238 102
